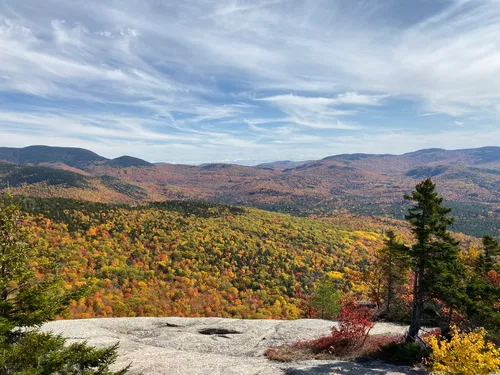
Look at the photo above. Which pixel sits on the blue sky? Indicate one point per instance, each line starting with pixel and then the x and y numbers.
pixel 249 81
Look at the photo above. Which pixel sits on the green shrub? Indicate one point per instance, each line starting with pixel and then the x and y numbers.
pixel 402 353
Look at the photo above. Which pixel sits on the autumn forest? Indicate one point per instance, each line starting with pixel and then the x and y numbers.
pixel 203 259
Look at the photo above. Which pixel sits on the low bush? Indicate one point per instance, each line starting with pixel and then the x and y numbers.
pixel 44 353
pixel 351 340
pixel 398 352
pixel 464 354
pixel 401 353
pixel 322 349
pixel 325 343
pixel 347 340
pixel 354 325
pixel 373 344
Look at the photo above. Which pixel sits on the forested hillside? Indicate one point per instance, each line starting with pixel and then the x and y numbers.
pixel 199 259
pixel 193 259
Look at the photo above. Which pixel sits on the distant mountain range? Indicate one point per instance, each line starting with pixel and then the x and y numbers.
pixel 362 183
pixel 70 156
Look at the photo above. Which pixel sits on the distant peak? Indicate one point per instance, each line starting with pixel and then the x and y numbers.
pixel 357 156
pixel 128 161
pixel 426 151
pixel 35 155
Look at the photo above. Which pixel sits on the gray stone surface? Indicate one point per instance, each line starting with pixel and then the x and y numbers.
pixel 175 346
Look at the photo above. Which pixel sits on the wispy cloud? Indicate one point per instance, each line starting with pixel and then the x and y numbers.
pixel 232 77
pixel 321 112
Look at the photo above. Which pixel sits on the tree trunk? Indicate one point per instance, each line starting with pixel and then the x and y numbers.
pixel 445 332
pixel 418 299
pixel 389 297
pixel 389 285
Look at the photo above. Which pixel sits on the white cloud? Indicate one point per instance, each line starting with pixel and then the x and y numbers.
pixel 355 98
pixel 320 112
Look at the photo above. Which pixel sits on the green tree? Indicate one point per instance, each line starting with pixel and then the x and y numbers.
pixel 434 255
pixel 394 264
pixel 326 300
pixel 483 295
pixel 491 249
pixel 29 296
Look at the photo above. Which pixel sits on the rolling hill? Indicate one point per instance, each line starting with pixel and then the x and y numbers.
pixel 360 183
pixel 127 162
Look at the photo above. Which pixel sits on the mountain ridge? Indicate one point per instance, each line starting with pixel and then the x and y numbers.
pixel 368 184
pixel 37 154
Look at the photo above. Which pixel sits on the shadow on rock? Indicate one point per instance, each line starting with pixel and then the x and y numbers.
pixel 352 368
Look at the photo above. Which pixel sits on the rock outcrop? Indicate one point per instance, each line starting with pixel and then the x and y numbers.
pixel 213 346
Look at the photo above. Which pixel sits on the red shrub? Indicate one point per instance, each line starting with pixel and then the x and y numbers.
pixel 354 325
pixel 322 344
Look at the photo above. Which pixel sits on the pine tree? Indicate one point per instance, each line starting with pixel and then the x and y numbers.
pixel 434 255
pixel 482 308
pixel 27 300
pixel 395 264
pixel 491 249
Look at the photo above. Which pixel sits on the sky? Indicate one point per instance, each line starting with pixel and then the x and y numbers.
pixel 249 81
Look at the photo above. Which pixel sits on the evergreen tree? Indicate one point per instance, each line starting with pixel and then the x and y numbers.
pixel 30 296
pixel 482 308
pixel 491 249
pixel 326 300
pixel 434 256
pixel 395 264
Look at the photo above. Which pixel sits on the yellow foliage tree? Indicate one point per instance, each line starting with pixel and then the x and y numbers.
pixel 464 354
